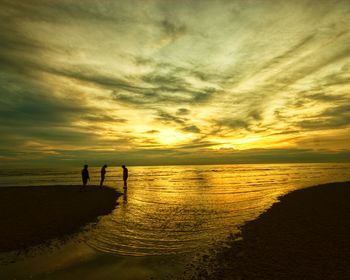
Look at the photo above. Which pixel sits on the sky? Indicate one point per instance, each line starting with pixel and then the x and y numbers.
pixel 154 82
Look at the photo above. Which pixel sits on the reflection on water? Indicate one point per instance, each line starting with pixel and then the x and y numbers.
pixel 167 215
pixel 188 208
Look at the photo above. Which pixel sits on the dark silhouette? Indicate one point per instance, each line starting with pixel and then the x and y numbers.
pixel 40 214
pixel 125 195
pixel 103 174
pixel 125 176
pixel 85 176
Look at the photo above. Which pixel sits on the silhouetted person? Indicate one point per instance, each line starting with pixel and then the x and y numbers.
pixel 85 176
pixel 103 174
pixel 125 176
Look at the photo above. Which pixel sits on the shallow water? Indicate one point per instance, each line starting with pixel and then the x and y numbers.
pixel 171 213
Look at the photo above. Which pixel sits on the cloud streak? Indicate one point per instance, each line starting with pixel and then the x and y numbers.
pixel 223 79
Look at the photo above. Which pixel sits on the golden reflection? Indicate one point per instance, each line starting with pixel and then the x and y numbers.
pixel 181 208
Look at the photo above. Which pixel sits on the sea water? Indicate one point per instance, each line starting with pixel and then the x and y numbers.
pixel 171 213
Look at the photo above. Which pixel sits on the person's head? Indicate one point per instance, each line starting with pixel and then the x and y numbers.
pixel 86 166
pixel 123 166
pixel 105 166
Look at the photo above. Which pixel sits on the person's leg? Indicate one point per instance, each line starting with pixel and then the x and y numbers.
pixel 125 195
pixel 84 185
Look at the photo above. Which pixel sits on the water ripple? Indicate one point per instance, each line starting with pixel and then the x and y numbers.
pixel 181 211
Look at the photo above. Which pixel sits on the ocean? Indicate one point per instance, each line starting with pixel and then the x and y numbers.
pixel 172 213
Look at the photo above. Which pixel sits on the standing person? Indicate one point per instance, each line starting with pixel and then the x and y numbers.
pixel 103 174
pixel 125 176
pixel 85 175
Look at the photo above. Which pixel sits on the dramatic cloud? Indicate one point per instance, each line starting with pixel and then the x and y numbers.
pixel 156 82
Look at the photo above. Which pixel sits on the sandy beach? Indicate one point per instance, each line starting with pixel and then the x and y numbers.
pixel 32 215
pixel 304 236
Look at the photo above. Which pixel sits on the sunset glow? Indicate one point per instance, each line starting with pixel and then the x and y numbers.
pixel 164 82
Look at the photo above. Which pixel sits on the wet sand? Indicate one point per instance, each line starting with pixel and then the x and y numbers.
pixel 32 215
pixel 304 236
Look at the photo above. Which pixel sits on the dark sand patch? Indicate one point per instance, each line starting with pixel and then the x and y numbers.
pixel 304 236
pixel 32 215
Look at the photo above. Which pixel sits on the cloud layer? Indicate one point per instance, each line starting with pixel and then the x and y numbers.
pixel 156 82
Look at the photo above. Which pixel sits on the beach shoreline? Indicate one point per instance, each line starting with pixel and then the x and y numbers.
pixel 31 216
pixel 303 236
